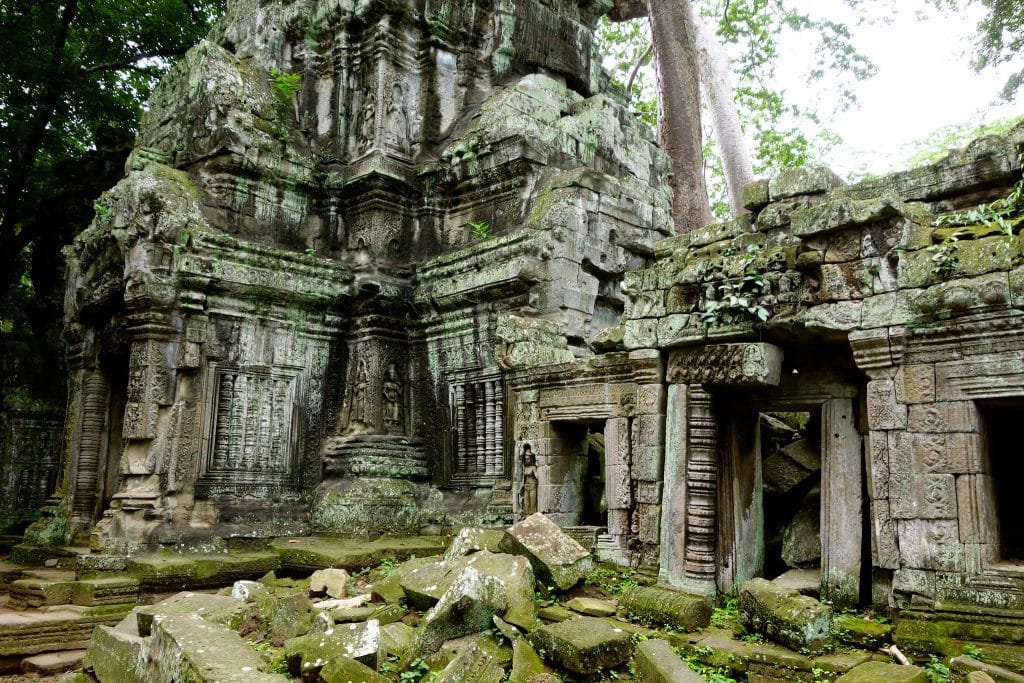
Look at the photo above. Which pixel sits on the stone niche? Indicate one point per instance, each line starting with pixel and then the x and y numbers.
pixel 306 299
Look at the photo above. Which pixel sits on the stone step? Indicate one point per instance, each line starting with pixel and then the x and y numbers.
pixel 36 592
pixel 9 573
pixel 311 553
pixel 65 627
pixel 165 571
pixel 52 662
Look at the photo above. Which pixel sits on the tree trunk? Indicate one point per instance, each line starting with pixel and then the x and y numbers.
pixel 674 39
pixel 721 98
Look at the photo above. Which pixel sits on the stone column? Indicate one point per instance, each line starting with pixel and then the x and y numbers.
pixel 841 503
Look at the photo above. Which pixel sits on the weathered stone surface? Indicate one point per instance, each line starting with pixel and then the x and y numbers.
pixel 307 655
pixel 389 589
pixel 804 581
pixel 470 540
pixel 584 645
pixel 496 585
pixel 663 605
pixel 526 663
pixel 555 556
pixel 801 539
pixel 592 607
pixel 799 181
pixel 472 665
pixel 348 615
pixel 790 466
pixel 861 632
pixel 64 628
pixel 739 365
pixel 785 616
pixel 970 666
pixel 397 638
pixel 308 554
pixel 168 572
pixel 657 663
pixel 872 672
pixel 330 581
pixel 52 662
pixel 187 647
pixel 218 609
pixel 343 669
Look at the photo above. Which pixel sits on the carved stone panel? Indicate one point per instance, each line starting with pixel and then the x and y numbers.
pixel 754 365
pixel 251 433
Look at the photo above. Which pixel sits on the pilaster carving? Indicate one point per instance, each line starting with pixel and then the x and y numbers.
pixel 701 486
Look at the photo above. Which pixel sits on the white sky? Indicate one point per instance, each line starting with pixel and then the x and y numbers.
pixel 924 82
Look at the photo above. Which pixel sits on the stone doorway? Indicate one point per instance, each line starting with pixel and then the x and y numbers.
pixel 1001 423
pixel 755 519
pixel 790 449
pixel 572 485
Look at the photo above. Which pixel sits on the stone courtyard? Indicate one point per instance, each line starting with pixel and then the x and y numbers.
pixel 402 375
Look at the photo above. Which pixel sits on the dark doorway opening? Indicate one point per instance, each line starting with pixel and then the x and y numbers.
pixel 1001 420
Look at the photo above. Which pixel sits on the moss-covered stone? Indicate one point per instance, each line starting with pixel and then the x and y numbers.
pixel 556 557
pixel 662 605
pixel 795 620
pixel 584 645
pixel 169 571
pixel 657 663
pixel 343 669
pixel 308 554
pixel 217 609
pixel 873 672
pixel 525 662
pixel 863 632
pixel 307 655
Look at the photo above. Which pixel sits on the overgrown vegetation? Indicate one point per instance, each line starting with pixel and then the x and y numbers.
pixel 738 301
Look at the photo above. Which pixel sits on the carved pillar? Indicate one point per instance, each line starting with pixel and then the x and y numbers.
pixel 689 502
pixel 95 395
pixel 841 504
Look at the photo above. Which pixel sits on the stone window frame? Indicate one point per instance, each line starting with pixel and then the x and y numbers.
pixel 495 450
pixel 213 480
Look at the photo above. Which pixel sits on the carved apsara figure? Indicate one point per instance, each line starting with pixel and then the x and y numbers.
pixel 366 128
pixel 528 492
pixel 392 400
pixel 357 411
pixel 397 121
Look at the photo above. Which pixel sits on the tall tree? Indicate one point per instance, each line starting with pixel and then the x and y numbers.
pixel 69 69
pixel 675 46
pixel 1000 37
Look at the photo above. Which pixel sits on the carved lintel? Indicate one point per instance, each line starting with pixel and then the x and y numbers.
pixel 878 350
pixel 741 364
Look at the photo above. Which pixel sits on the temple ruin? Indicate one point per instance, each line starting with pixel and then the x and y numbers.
pixel 434 286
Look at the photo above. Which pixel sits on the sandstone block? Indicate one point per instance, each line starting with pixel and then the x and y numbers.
pixel 584 645
pixel 555 556
pixel 470 540
pixel 592 607
pixel 330 581
pixel 873 672
pixel 657 663
pixel 307 655
pixel 784 616
pixel 186 647
pixel 218 609
pixel 526 663
pixel 662 605
pixel 347 670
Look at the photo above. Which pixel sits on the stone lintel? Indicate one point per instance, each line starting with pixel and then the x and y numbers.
pixel 738 364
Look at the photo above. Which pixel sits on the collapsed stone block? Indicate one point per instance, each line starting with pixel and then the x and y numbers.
pixel 555 556
pixel 526 663
pixel 784 615
pixel 187 647
pixel 470 540
pixel 662 605
pixel 473 665
pixel 592 607
pixel 873 672
pixel 218 609
pixel 584 645
pixel 307 655
pixel 343 669
pixel 330 581
pixel 657 663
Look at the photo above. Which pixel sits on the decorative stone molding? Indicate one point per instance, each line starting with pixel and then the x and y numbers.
pixel 741 365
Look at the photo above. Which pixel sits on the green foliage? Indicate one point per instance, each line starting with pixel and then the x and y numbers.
pixel 285 86
pixel 998 214
pixel 946 255
pixel 480 230
pixel 738 302
pixel 936 670
pixel 974 651
pixel 727 613
pixel 938 143
pixel 612 580
pixel 1000 37
pixel 416 670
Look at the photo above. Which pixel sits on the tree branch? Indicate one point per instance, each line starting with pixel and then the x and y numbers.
pixel 640 61
pixel 132 61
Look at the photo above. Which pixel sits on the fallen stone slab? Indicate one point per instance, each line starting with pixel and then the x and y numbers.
pixel 105 591
pixel 311 553
pixel 307 655
pixel 965 665
pixel 526 663
pixel 329 581
pixel 875 672
pixel 389 589
pixel 592 607
pixel 187 647
pixel 555 613
pixel 67 627
pixel 9 573
pixel 33 592
pixel 397 638
pixel 584 645
pixel 556 557
pixel 861 632
pixel 472 665
pixel 490 585
pixel 348 615
pixel 165 572
pixel 52 662
pixel 657 663
pixel 470 540
pixel 662 605
pixel 783 615
pixel 347 670
pixel 118 653
pixel 219 609
pixel 804 581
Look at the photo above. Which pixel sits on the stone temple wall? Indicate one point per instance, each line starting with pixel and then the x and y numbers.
pixel 887 313
pixel 285 319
